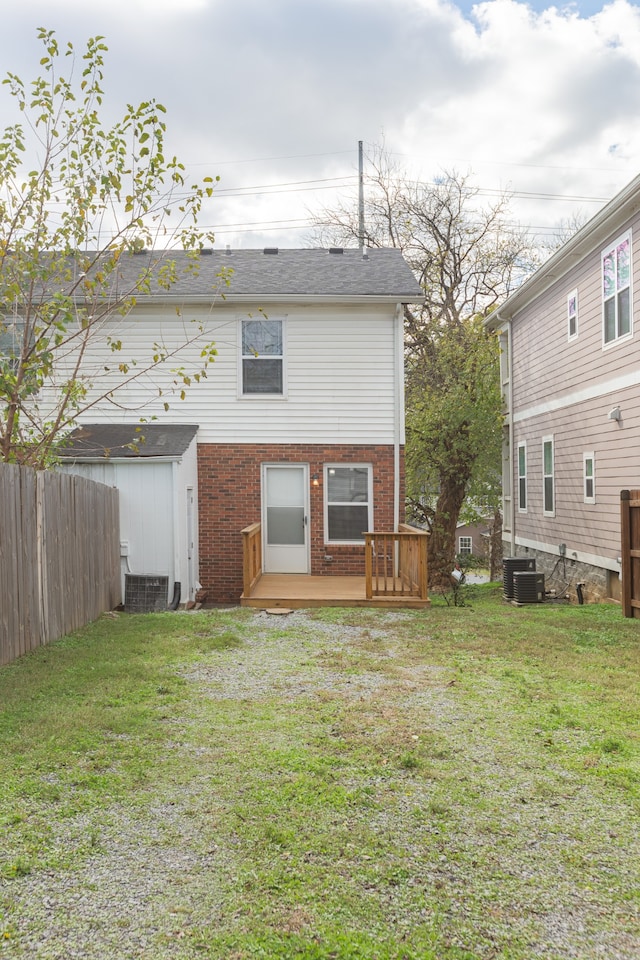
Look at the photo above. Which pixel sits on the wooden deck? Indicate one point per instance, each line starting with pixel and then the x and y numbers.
pixel 297 591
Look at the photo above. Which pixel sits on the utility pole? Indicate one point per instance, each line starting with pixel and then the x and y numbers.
pixel 360 198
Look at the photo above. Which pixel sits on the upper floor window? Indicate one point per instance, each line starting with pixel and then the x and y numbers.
pixel 262 357
pixel 548 478
pixel 616 289
pixel 572 315
pixel 522 477
pixel 348 502
pixel 589 475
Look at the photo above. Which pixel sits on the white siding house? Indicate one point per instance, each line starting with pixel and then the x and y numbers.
pixel 299 422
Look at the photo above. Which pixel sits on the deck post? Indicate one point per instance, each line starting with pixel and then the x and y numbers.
pixel 251 557
pixel 368 565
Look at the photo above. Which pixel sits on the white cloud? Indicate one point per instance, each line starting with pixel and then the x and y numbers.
pixel 544 100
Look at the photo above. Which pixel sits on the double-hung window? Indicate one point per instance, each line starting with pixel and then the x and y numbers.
pixel 522 477
pixel 589 477
pixel 548 478
pixel 465 545
pixel 572 315
pixel 262 357
pixel 616 290
pixel 348 502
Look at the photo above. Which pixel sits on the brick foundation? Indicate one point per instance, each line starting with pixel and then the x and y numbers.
pixel 229 499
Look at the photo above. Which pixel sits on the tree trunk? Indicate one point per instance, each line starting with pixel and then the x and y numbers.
pixel 495 547
pixel 442 542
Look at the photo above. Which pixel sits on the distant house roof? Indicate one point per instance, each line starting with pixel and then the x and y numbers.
pixel 108 441
pixel 333 274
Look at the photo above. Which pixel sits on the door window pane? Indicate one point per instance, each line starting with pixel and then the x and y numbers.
pixel 285 525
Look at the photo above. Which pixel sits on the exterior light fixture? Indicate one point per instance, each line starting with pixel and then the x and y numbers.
pixel 315 480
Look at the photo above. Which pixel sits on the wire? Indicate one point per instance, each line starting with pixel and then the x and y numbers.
pixel 291 156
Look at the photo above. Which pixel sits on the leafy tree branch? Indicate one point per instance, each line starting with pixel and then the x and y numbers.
pixel 78 198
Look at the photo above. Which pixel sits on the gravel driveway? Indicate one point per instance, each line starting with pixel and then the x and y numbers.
pixel 155 877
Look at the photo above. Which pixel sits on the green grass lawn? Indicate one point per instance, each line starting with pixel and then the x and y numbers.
pixel 460 783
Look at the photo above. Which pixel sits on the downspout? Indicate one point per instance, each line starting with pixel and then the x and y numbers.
pixel 513 478
pixel 177 559
pixel 398 416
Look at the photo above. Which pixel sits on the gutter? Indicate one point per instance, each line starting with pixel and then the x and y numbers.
pixel 215 298
pixel 132 459
pixel 398 403
pixel 512 472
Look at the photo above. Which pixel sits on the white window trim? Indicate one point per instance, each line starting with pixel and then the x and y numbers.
pixel 572 296
pixel 549 439
pixel 585 458
pixel 353 466
pixel 607 345
pixel 521 509
pixel 270 397
pixel 469 544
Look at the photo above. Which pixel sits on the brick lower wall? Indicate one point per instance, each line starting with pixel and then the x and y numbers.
pixel 229 482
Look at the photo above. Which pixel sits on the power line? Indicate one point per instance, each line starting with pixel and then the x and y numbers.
pixel 291 156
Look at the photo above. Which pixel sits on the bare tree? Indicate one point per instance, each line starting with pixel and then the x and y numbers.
pixel 467 258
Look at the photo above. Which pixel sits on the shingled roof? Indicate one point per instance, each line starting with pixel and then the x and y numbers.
pixel 332 274
pixel 104 441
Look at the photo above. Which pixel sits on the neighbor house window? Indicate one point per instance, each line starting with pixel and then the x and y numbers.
pixel 11 342
pixel 465 545
pixel 522 477
pixel 348 502
pixel 589 475
pixel 572 314
pixel 616 290
pixel 548 480
pixel 262 357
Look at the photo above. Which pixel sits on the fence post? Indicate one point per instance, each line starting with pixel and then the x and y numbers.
pixel 625 551
pixel 42 584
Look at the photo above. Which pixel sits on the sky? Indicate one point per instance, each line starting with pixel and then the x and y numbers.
pixel 272 96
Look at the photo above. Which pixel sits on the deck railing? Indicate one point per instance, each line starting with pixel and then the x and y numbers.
pixel 251 557
pixel 396 563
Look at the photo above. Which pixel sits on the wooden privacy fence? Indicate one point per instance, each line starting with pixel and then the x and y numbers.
pixel 59 556
pixel 630 551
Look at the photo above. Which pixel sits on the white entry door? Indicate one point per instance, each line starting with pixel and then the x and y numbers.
pixel 285 518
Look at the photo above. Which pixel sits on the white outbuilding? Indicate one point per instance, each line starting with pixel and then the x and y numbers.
pixel 155 469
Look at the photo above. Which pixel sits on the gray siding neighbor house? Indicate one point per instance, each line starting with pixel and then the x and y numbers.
pixel 570 339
